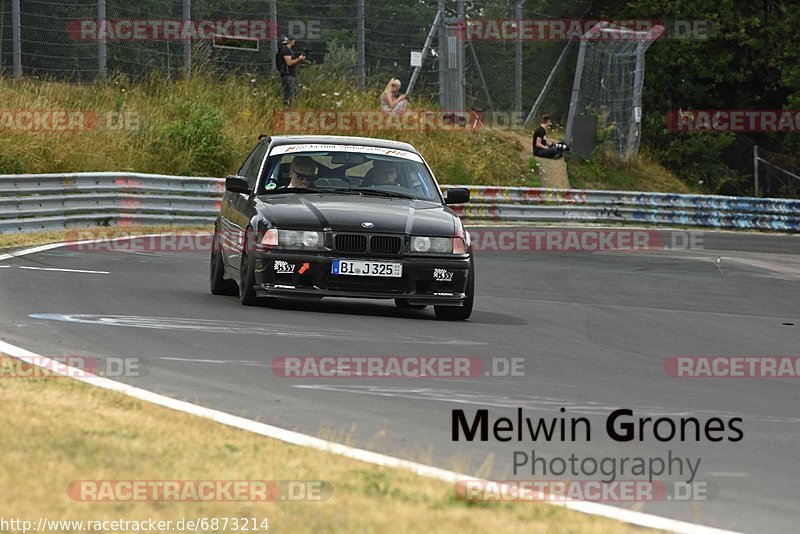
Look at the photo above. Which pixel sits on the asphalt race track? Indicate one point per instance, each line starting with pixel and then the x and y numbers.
pixel 594 330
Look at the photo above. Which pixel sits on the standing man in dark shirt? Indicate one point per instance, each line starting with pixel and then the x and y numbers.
pixel 286 64
pixel 540 147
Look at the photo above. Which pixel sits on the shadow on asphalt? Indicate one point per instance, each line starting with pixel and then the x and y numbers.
pixel 377 308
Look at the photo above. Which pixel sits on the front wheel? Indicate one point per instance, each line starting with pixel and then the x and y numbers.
pixel 247 279
pixel 452 313
pixel 219 285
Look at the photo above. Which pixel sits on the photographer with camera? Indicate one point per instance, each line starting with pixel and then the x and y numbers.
pixel 286 63
pixel 540 148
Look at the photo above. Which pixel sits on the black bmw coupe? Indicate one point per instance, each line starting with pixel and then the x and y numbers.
pixel 327 216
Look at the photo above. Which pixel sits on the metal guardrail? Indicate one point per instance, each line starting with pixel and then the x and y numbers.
pixel 80 200
pixel 501 204
pixel 32 202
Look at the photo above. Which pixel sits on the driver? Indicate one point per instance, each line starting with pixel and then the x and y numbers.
pixel 302 172
pixel 383 173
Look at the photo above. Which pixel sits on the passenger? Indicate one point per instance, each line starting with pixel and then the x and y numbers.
pixel 382 173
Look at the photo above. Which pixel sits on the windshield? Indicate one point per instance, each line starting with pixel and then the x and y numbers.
pixel 357 173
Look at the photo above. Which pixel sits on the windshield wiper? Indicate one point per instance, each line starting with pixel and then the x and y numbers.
pixel 376 192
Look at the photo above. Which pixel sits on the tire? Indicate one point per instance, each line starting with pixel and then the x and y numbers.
pixel 219 285
pixel 452 313
pixel 247 276
pixel 247 279
pixel 404 305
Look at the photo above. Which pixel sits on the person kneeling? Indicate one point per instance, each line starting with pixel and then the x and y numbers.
pixel 540 147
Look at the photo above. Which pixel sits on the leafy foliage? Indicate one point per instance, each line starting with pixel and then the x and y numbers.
pixel 196 140
pixel 11 164
pixel 749 61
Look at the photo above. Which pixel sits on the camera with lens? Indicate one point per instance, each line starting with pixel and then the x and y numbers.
pixel 561 146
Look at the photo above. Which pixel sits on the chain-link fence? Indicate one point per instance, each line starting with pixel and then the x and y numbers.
pixel 82 40
pixel 778 174
pixel 608 83
pixel 751 169
pixel 5 37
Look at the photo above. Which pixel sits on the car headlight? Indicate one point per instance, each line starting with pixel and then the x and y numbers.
pixel 437 245
pixel 293 239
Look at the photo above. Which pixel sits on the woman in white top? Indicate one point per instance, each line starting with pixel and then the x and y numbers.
pixel 391 99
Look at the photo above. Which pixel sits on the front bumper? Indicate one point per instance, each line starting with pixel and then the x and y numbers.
pixel 304 274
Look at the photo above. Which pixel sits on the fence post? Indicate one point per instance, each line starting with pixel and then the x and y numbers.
pixel 518 63
pixel 442 51
pixel 576 82
pixel 632 145
pixel 187 39
pixel 755 169
pixel 16 38
pixel 538 102
pixel 425 48
pixel 362 77
pixel 576 91
pixel 273 44
pixel 101 41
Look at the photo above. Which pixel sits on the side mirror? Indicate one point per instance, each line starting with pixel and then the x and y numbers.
pixel 458 195
pixel 237 184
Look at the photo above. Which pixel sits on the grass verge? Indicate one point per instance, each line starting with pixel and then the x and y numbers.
pixel 641 173
pixel 58 430
pixel 206 126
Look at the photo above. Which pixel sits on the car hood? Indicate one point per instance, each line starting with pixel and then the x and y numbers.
pixel 346 213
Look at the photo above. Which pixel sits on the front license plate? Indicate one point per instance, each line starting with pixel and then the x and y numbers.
pixel 367 268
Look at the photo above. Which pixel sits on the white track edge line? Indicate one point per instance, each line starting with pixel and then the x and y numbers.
pixel 296 438
pixel 50 246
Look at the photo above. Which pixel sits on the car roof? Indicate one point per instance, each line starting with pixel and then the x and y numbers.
pixel 341 140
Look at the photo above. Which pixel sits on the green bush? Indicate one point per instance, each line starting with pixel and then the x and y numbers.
pixel 11 164
pixel 196 141
pixel 699 158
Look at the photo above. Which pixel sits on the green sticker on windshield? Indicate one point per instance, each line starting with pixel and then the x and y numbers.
pixel 270 186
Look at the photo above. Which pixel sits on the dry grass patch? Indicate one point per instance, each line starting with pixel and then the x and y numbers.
pixel 58 430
